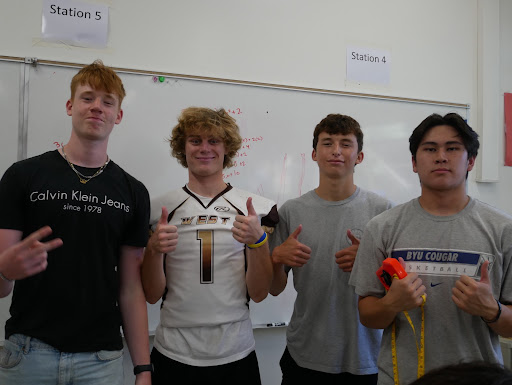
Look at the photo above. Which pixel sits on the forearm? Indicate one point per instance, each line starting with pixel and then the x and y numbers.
pixel 7 239
pixel 375 312
pixel 135 327
pixel 135 324
pixel 133 309
pixel 5 286
pixel 503 326
pixel 153 277
pixel 259 272
pixel 280 279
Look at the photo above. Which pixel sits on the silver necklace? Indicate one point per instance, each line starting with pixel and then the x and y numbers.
pixel 85 178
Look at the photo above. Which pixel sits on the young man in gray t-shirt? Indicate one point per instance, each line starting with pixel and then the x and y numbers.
pixel 457 251
pixel 317 238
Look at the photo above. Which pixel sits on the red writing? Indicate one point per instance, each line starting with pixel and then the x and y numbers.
pixel 253 139
pixel 232 173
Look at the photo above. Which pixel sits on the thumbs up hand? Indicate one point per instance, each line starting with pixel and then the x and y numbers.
pixel 345 258
pixel 291 252
pixel 476 297
pixel 165 237
pixel 247 228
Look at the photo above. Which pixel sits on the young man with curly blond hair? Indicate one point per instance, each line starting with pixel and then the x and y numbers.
pixel 206 257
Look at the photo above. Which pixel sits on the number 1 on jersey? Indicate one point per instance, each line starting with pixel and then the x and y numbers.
pixel 205 237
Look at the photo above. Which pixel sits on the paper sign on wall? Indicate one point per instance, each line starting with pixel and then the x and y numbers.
pixel 508 129
pixel 368 65
pixel 75 23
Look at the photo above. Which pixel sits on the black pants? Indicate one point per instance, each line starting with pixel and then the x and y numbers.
pixel 293 374
pixel 168 371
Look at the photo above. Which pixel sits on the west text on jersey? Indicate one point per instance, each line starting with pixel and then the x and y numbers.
pixel 204 220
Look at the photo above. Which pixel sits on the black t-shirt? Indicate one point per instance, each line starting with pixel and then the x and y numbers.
pixel 73 304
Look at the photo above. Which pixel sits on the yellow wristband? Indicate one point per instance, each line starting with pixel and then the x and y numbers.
pixel 260 242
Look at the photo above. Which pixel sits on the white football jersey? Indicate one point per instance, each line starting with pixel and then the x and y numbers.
pixel 206 273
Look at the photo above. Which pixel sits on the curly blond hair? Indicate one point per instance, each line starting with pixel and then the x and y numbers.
pixel 194 120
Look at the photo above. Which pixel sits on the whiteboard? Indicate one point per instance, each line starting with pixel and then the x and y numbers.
pixel 9 112
pixel 276 126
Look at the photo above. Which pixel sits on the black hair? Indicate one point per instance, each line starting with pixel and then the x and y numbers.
pixel 469 137
pixel 468 373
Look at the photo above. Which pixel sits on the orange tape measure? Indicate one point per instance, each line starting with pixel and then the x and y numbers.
pixel 392 269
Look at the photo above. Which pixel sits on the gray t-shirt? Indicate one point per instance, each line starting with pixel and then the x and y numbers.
pixel 440 249
pixel 324 332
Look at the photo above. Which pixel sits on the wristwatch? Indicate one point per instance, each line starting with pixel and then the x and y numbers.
pixel 142 368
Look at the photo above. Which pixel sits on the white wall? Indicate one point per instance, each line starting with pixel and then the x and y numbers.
pixel 296 42
pixel 498 194
pixel 293 42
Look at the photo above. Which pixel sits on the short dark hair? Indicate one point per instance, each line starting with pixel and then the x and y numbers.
pixel 469 373
pixel 339 124
pixel 454 120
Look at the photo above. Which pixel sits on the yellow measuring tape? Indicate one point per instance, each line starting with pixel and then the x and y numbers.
pixel 420 349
